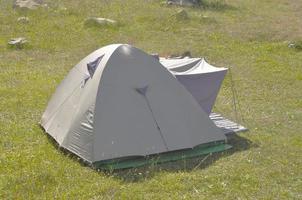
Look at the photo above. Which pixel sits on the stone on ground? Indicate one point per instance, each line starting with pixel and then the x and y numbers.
pixel 98 21
pixel 28 4
pixel 23 20
pixel 189 3
pixel 17 42
pixel 296 45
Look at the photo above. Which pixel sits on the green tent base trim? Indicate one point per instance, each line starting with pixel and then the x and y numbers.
pixel 138 161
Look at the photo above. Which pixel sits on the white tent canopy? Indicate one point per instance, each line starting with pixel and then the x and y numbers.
pixel 179 64
pixel 120 102
pixel 200 78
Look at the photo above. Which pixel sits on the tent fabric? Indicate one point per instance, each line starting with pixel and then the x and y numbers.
pixel 125 163
pixel 130 106
pixel 200 78
pixel 179 64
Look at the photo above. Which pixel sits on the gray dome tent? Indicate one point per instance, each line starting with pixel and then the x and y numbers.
pixel 120 103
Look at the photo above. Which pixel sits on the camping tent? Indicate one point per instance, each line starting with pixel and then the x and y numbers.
pixel 120 103
pixel 200 78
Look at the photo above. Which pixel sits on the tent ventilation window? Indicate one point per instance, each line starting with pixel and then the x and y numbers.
pixel 91 67
pixel 142 90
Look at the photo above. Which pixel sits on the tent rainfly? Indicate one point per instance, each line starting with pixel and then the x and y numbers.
pixel 200 78
pixel 120 107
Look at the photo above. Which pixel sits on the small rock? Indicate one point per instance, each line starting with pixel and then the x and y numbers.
pixel 169 3
pixel 17 42
pixel 27 4
pixel 182 15
pixel 189 3
pixel 98 21
pixel 23 20
pixel 296 45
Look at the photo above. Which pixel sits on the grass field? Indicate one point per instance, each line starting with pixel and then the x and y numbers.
pixel 251 37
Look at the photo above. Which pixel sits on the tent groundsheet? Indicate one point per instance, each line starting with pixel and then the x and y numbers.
pixel 131 162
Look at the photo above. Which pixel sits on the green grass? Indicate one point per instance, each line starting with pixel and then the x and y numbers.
pixel 252 37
